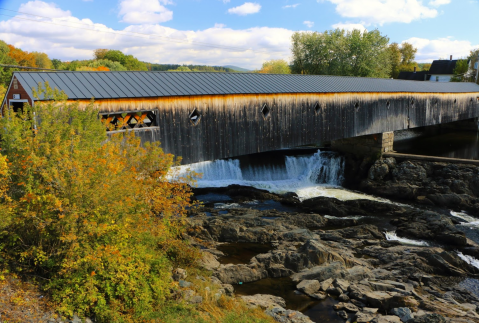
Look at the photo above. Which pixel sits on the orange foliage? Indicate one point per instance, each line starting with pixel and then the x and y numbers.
pixel 97 219
pixel 21 57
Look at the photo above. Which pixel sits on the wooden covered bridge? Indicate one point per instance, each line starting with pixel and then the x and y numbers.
pixel 206 116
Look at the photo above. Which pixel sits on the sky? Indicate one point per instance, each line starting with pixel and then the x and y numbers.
pixel 230 32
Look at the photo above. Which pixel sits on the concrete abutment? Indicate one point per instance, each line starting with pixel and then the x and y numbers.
pixel 366 146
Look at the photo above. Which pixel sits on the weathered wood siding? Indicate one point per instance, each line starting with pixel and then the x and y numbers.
pixel 233 125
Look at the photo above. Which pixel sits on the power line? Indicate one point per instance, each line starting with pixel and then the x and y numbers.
pixel 129 33
pixel 28 67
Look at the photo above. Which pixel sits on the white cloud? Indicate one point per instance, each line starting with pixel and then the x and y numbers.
pixel 384 11
pixel 246 8
pixel 220 25
pixel 308 23
pixel 247 48
pixel 431 49
pixel 349 27
pixel 145 11
pixel 437 3
pixel 291 6
pixel 41 8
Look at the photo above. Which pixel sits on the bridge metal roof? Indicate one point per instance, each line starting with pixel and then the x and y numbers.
pixel 113 85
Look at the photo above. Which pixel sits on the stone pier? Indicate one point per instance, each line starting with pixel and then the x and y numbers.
pixel 366 146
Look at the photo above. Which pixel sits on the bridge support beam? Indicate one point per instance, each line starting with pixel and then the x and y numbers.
pixel 366 146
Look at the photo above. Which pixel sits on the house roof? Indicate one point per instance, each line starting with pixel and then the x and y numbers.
pixel 112 85
pixel 414 76
pixel 443 66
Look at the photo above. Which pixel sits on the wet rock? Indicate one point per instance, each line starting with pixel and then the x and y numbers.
pixel 388 300
pixel 359 273
pixel 287 316
pixel 308 286
pixel 429 318
pixel 403 313
pixel 264 301
pixel 234 274
pixel 348 307
pixel 342 314
pixel 321 273
pixel 343 298
pixel 325 284
pixel 386 319
pixel 298 235
pixel 364 317
pixel 319 295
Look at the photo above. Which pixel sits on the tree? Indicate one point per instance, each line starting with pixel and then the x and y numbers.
pixel 94 220
pixel 425 66
pixel 42 60
pixel 100 53
pixel 460 70
pixel 21 57
pixel 111 65
pixel 279 66
pixel 5 58
pixel 130 62
pixel 474 57
pixel 339 52
pixel 402 58
pixel 57 64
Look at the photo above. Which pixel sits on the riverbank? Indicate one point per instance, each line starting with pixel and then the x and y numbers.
pixel 369 260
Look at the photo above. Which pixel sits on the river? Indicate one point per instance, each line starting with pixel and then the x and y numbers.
pixel 309 173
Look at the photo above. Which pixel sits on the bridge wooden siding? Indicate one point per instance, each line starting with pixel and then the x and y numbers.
pixel 230 106
pixel 233 125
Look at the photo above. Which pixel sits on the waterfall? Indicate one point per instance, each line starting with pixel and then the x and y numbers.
pixel 297 174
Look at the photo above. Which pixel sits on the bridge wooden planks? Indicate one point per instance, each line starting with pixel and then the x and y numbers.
pixel 233 125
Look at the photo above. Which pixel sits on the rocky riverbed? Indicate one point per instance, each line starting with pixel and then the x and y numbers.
pixel 338 252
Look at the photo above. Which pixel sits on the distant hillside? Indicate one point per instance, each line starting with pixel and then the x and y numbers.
pixel 193 68
pixel 236 68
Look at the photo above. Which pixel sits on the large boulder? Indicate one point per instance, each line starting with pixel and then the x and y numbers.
pixel 332 270
pixel 234 274
pixel 263 300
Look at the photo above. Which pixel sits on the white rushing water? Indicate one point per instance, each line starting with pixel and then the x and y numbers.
pixel 320 174
pixel 391 235
pixel 470 260
pixel 352 217
pixel 470 221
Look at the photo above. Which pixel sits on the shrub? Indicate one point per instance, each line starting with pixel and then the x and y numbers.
pixel 92 219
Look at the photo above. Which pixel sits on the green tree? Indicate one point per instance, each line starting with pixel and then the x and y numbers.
pixel 408 53
pixel 131 63
pixel 278 66
pixel 42 60
pixel 396 58
pixel 461 68
pixel 339 52
pixel 57 64
pixel 6 72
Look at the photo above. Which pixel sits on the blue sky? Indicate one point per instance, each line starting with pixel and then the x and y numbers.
pixel 229 32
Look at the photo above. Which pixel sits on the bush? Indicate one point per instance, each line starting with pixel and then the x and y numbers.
pixel 92 219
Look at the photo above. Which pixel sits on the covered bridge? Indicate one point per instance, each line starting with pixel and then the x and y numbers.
pixel 206 116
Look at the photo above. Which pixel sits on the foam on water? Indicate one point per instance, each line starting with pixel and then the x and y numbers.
pixel 353 217
pixel 470 260
pixel 320 174
pixel 470 221
pixel 391 235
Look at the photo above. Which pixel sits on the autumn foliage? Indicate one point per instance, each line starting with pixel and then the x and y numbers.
pixel 92 219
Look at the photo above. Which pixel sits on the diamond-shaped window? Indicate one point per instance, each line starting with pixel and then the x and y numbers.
pixel 265 111
pixel 356 105
pixel 317 108
pixel 195 117
pixel 388 104
pixel 412 102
